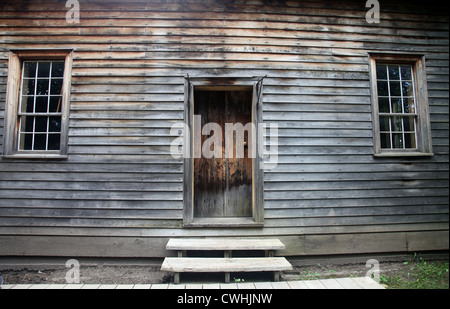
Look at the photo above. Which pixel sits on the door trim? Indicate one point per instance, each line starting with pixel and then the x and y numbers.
pixel 257 220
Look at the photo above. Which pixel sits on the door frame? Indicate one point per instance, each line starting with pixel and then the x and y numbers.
pixel 219 83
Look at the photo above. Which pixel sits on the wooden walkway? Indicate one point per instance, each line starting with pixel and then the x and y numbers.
pixel 338 283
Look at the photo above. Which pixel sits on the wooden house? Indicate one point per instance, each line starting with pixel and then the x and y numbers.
pixel 95 95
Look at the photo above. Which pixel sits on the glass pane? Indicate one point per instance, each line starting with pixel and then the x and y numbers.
pixel 409 106
pixel 28 87
pixel 384 124
pixel 44 69
pixel 41 104
pixel 395 89
pixel 383 89
pixel 397 141
pixel 57 69
pixel 27 124
pixel 385 140
pixel 41 124
pixel 396 105
pixel 55 104
pixel 26 142
pixel 407 89
pixel 394 72
pixel 406 72
pixel 56 87
pixel 40 141
pixel 29 69
pixel 381 71
pixel 55 124
pixel 408 124
pixel 383 105
pixel 397 124
pixel 410 141
pixel 42 86
pixel 54 141
pixel 27 104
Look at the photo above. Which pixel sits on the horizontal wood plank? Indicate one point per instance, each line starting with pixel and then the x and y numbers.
pixel 225 264
pixel 224 244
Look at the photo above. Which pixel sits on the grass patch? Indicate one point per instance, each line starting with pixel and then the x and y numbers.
pixel 419 274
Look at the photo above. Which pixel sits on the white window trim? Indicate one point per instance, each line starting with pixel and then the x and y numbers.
pixel 424 142
pixel 10 145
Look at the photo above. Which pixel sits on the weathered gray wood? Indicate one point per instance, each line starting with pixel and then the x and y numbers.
pixel 225 265
pixel 367 283
pixel 224 244
pixel 120 193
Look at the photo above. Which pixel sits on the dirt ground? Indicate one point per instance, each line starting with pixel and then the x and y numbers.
pixel 151 274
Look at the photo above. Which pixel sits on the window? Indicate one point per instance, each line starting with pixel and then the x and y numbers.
pixel 400 106
pixel 37 104
pixel 396 106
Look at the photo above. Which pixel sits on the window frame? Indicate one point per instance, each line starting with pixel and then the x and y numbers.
pixel 423 128
pixel 13 98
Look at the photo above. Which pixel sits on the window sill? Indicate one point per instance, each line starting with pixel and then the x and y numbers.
pixel 402 154
pixel 23 156
pixel 224 222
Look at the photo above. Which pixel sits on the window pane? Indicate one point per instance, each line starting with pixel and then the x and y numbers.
pixel 56 87
pixel 395 89
pixel 28 87
pixel 41 124
pixel 27 104
pixel 385 140
pixel 384 124
pixel 29 69
pixel 27 124
pixel 41 104
pixel 40 142
pixel 42 86
pixel 407 89
pixel 44 69
pixel 397 141
pixel 409 106
pixel 394 72
pixel 410 141
pixel 397 124
pixel 383 89
pixel 406 72
pixel 396 105
pixel 381 71
pixel 408 123
pixel 55 104
pixel 383 105
pixel 54 141
pixel 26 141
pixel 55 124
pixel 57 69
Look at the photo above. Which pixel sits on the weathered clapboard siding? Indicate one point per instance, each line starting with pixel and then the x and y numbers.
pixel 120 193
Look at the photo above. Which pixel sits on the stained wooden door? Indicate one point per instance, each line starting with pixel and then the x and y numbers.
pixel 223 186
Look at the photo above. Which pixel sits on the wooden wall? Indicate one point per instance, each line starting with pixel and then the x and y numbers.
pixel 119 193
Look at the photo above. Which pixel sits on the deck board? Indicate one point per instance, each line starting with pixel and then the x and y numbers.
pixel 346 283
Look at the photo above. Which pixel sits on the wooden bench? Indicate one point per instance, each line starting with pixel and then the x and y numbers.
pixel 227 264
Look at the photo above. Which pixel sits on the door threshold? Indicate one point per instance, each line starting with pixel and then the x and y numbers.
pixel 242 222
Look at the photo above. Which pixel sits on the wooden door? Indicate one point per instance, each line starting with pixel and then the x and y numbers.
pixel 223 185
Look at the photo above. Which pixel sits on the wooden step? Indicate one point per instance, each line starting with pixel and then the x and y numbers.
pixel 211 265
pixel 224 244
pixel 225 265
